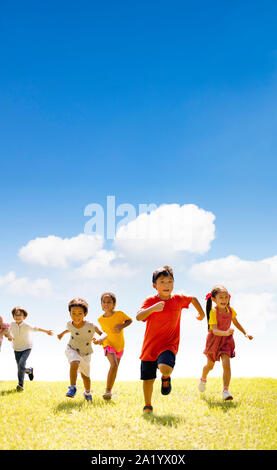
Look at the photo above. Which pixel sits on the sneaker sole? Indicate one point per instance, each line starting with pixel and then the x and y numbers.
pixel 166 390
pixel 107 397
pixel 31 375
pixel 148 411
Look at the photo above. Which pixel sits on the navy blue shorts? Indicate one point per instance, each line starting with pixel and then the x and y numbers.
pixel 148 369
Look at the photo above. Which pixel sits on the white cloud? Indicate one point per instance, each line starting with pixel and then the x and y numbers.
pixel 24 286
pixel 103 264
pixel 85 250
pixel 255 311
pixel 59 252
pixel 168 229
pixel 237 273
pixel 255 308
pixel 159 236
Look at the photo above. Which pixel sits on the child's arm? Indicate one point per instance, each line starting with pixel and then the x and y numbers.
pixel 120 326
pixel 48 332
pixel 217 332
pixel 240 328
pixel 8 335
pixel 63 333
pixel 5 328
pixel 143 314
pixel 102 335
pixel 198 307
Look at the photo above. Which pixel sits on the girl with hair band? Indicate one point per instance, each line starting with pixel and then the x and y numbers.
pixel 220 342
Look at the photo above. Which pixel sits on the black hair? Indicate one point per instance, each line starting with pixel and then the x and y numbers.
pixel 208 309
pixel 214 292
pixel 109 294
pixel 164 271
pixel 78 302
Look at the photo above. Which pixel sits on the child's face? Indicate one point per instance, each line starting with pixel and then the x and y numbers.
pixel 107 304
pixel 18 316
pixel 77 314
pixel 222 299
pixel 164 286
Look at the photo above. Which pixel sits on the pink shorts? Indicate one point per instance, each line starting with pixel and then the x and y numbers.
pixel 109 349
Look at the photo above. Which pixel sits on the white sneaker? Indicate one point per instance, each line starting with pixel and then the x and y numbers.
pixel 201 386
pixel 226 395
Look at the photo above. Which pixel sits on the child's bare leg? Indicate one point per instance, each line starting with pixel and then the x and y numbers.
pixel 207 368
pixel 114 363
pixel 226 370
pixel 73 372
pixel 165 369
pixel 86 381
pixel 148 390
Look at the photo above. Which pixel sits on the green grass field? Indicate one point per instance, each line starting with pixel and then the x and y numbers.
pixel 42 418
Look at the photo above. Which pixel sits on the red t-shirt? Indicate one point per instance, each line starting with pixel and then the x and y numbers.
pixel 163 328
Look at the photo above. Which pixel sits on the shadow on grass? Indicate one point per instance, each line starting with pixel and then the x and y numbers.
pixel 164 420
pixel 224 405
pixel 8 392
pixel 69 405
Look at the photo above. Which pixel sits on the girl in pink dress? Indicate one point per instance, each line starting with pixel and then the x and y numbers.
pixel 220 342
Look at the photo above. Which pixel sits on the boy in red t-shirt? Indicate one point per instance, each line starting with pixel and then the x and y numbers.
pixel 162 314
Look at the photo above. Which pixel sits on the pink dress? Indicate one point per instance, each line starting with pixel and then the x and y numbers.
pixel 217 345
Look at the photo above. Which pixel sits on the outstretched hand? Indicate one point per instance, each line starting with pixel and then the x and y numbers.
pixel 199 316
pixel 158 307
pixel 97 341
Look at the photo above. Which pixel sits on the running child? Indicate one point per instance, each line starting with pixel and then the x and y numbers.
pixel 162 314
pixel 112 322
pixel 22 344
pixel 4 331
pixel 79 350
pixel 220 342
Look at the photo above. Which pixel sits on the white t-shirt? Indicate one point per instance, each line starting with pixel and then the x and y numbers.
pixel 22 335
pixel 80 339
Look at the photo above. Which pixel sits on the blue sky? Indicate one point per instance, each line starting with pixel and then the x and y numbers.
pixel 150 102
